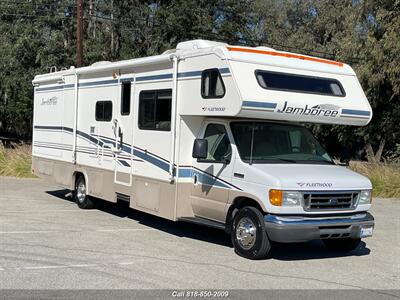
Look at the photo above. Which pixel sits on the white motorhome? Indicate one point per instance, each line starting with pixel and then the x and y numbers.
pixel 209 133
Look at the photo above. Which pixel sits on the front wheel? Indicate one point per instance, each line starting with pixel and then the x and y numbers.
pixel 80 194
pixel 347 244
pixel 248 234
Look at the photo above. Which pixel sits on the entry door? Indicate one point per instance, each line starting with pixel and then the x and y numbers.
pixel 212 176
pixel 123 134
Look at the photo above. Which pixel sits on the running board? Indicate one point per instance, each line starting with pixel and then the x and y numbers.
pixel 123 197
pixel 203 221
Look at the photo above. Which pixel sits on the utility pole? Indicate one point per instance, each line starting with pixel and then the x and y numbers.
pixel 79 39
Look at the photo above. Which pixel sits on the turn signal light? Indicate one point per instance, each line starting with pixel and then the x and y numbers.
pixel 275 197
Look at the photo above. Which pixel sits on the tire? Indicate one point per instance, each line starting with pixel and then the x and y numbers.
pixel 345 245
pixel 81 198
pixel 248 234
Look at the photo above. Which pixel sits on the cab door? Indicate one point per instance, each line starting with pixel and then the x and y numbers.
pixel 212 176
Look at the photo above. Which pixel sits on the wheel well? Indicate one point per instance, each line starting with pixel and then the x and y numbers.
pixel 237 204
pixel 75 177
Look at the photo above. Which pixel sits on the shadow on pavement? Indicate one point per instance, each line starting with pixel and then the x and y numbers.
pixel 284 252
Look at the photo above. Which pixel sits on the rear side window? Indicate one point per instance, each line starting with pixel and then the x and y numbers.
pixel 103 111
pixel 126 98
pixel 212 85
pixel 155 110
pixel 299 83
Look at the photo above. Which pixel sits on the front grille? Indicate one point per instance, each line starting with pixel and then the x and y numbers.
pixel 330 200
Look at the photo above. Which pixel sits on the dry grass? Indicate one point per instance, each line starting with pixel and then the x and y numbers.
pixel 16 162
pixel 385 177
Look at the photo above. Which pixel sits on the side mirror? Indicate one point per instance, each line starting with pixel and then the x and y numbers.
pixel 200 148
pixel 345 155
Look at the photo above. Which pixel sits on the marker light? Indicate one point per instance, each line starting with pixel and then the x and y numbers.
pixel 275 197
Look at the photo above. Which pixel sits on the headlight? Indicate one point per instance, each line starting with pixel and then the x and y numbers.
pixel 365 197
pixel 285 198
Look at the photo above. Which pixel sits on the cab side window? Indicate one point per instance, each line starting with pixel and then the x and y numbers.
pixel 219 146
pixel 212 85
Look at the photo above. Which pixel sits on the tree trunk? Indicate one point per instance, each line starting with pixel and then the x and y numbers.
pixel 378 154
pixel 371 155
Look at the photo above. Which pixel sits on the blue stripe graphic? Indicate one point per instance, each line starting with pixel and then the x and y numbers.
pixel 124 163
pixel 224 71
pixel 153 77
pixel 138 79
pixel 259 104
pixel 356 112
pixel 58 87
pixel 95 83
pixel 187 172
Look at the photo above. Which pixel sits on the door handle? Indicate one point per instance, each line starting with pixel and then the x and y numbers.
pixel 195 179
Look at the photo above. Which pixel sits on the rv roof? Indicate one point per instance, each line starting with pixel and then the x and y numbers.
pixel 261 55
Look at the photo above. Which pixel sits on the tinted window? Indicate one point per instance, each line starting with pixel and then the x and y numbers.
pixel 212 85
pixel 219 147
pixel 155 110
pixel 126 98
pixel 103 111
pixel 299 83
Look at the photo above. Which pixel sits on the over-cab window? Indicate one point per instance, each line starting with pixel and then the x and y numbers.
pixel 212 85
pixel 299 83
pixel 155 110
pixel 219 146
pixel 103 111
pixel 126 98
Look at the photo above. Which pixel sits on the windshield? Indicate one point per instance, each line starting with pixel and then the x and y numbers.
pixel 262 142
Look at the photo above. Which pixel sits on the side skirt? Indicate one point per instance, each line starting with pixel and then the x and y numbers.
pixel 204 222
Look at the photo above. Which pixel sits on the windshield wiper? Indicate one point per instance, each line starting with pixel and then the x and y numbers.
pixel 320 160
pixel 277 158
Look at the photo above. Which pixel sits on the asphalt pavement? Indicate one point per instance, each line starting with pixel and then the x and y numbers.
pixel 47 242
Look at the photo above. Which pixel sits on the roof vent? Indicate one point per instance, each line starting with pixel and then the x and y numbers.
pixel 198 44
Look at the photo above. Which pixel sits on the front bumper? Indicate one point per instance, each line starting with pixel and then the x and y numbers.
pixel 288 229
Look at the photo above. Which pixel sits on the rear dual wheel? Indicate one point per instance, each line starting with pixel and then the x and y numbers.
pixel 248 234
pixel 80 194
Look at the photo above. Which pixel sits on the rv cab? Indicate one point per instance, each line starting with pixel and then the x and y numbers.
pixel 212 134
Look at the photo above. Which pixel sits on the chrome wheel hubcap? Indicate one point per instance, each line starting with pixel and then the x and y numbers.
pixel 81 191
pixel 246 233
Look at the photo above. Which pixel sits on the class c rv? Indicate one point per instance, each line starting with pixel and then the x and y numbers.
pixel 212 134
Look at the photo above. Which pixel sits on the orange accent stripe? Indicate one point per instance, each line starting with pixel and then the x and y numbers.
pixel 287 55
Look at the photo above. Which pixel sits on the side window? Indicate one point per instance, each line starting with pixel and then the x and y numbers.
pixel 103 111
pixel 219 146
pixel 212 85
pixel 155 110
pixel 126 98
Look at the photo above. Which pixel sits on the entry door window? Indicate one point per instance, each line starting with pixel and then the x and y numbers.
pixel 219 146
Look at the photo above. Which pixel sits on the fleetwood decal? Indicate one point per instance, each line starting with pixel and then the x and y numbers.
pixel 213 109
pixel 315 184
